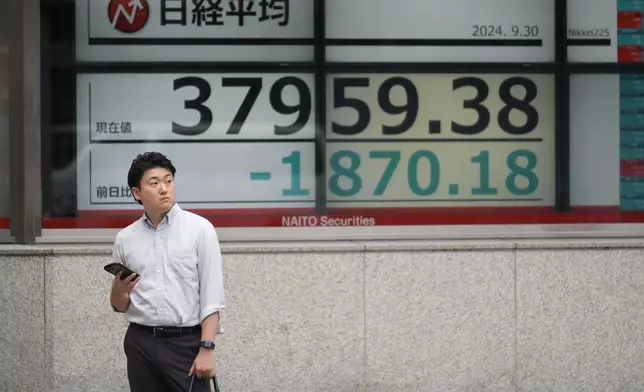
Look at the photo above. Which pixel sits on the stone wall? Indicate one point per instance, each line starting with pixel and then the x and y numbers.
pixel 376 317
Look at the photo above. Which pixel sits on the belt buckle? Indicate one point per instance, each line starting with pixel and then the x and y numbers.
pixel 155 329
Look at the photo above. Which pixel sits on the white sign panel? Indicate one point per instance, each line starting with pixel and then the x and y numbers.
pixel 602 31
pixel 209 175
pixel 173 107
pixel 440 140
pixel 194 30
pixel 439 31
pixel 239 140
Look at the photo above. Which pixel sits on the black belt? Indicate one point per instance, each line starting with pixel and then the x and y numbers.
pixel 167 331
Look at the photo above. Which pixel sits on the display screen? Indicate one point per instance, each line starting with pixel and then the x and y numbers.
pixel 607 142
pixel 436 31
pixel 199 30
pixel 285 145
pixel 440 140
pixel 605 31
pixel 239 140
pixel 283 30
pixel 246 142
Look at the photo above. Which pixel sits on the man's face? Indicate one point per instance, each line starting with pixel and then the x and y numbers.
pixel 156 190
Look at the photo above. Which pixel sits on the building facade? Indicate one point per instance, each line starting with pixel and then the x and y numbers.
pixel 434 196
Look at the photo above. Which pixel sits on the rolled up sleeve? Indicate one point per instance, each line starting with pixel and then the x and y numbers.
pixel 117 257
pixel 211 281
pixel 117 250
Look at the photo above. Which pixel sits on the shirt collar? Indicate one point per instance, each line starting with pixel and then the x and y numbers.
pixel 169 216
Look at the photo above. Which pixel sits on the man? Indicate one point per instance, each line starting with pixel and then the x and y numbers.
pixel 173 305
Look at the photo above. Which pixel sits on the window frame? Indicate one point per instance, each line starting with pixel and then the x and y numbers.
pixel 302 235
pixel 26 163
pixel 5 233
pixel 24 126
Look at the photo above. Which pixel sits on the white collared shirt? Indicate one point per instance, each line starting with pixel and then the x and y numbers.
pixel 180 267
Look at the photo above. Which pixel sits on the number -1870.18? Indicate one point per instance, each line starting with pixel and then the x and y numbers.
pixel 346 171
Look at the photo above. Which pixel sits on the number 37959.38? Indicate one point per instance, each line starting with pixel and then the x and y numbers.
pixel 342 100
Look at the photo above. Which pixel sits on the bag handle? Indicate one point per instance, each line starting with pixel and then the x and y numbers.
pixel 214 381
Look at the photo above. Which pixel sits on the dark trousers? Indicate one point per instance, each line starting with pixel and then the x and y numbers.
pixel 162 363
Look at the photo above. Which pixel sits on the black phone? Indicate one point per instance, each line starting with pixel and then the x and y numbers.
pixel 115 268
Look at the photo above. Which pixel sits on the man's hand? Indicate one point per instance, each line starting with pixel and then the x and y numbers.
pixel 121 289
pixel 204 364
pixel 126 285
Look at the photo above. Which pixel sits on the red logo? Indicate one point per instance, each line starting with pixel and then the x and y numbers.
pixel 128 16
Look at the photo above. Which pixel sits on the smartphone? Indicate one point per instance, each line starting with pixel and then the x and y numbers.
pixel 115 268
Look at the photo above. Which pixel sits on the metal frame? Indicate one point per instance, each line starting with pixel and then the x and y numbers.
pixel 24 92
pixel 26 166
pixel 562 109
pixel 5 233
pixel 319 58
pixel 305 235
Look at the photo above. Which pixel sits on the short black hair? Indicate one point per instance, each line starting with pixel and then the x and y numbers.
pixel 144 162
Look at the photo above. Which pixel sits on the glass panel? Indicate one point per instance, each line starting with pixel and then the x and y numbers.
pixel 176 30
pixel 237 152
pixel 243 143
pixel 520 31
pixel 605 31
pixel 399 149
pixel 607 146
pixel 420 149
